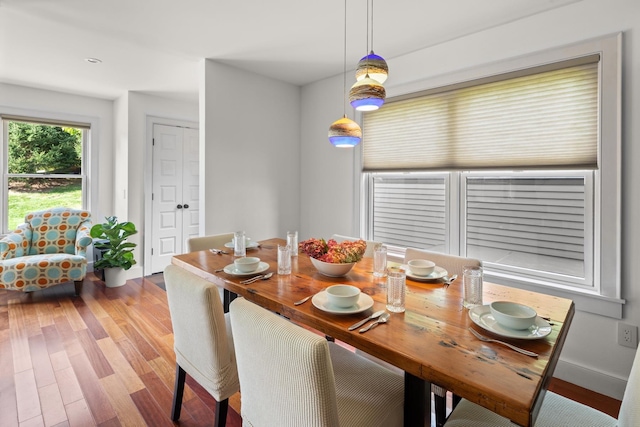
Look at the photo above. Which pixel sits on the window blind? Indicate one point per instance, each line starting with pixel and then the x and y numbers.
pixel 547 119
pixel 410 211
pixel 527 222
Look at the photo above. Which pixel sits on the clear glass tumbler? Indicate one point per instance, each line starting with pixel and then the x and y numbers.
pixel 472 286
pixel 380 261
pixel 396 289
pixel 292 240
pixel 239 248
pixel 284 259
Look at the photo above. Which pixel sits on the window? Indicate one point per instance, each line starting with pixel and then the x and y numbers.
pixel 519 168
pixel 42 167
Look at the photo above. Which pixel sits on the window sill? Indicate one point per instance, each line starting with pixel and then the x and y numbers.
pixel 587 301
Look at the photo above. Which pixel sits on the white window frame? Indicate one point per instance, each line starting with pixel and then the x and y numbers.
pixel 604 298
pixel 89 154
pixel 590 282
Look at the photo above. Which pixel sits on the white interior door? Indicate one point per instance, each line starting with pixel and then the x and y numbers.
pixel 190 186
pixel 175 202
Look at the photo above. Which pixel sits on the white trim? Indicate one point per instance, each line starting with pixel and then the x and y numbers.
pixel 608 299
pixel 90 153
pixel 589 282
pixel 148 182
pixel 583 376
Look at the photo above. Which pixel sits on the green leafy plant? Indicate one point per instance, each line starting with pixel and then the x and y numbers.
pixel 119 252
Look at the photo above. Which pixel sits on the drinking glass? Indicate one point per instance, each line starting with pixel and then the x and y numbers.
pixel 396 289
pixel 284 259
pixel 292 240
pixel 380 261
pixel 239 248
pixel 472 286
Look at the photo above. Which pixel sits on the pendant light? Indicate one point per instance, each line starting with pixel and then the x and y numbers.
pixel 345 132
pixel 372 64
pixel 367 94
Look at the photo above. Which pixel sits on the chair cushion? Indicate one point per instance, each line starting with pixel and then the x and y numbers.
pixel 32 273
pixel 556 411
pixel 54 230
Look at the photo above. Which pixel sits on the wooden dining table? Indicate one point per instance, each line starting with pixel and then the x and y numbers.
pixel 430 341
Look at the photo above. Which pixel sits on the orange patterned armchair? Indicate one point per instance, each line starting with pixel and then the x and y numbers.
pixel 48 249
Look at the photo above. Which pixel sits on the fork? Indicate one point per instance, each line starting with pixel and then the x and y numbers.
pixel 511 346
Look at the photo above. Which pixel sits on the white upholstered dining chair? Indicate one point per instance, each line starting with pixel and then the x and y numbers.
pixel 290 376
pixel 558 411
pixel 203 342
pixel 371 244
pixel 214 241
pixel 202 243
pixel 452 263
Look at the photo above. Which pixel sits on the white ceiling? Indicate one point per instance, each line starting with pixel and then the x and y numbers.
pixel 155 46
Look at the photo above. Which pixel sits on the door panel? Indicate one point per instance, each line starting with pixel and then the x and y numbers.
pixel 175 192
pixel 191 187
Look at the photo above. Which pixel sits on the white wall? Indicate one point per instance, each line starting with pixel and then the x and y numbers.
pixel 328 179
pixel 120 177
pixel 328 187
pixel 132 168
pixel 31 102
pixel 250 138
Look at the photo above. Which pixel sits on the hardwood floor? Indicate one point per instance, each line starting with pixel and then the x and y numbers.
pixel 106 359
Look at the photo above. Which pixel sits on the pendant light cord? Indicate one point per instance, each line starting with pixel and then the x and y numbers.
pixel 344 62
pixel 371 24
pixel 368 26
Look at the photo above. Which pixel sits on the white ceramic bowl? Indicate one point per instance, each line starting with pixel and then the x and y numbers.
pixel 247 264
pixel 342 296
pixel 331 269
pixel 513 315
pixel 421 267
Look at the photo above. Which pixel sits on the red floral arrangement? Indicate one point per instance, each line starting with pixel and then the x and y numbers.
pixel 332 251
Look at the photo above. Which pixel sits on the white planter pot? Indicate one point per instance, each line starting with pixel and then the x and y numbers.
pixel 114 277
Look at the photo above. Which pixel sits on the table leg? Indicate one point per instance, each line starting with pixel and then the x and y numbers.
pixel 417 401
pixel 228 296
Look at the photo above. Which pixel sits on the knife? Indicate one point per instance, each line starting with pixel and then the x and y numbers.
pixel 363 321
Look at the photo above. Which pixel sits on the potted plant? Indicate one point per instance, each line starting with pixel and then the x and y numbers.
pixel 118 253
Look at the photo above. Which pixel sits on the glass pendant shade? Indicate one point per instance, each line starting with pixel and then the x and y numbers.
pixel 367 94
pixel 345 132
pixel 375 66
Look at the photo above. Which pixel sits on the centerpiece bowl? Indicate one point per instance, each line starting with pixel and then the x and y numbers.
pixel 331 258
pixel 332 269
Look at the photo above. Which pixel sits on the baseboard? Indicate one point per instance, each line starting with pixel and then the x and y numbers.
pixel 590 379
pixel 135 272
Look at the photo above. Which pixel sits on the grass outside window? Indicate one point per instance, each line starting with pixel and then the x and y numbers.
pixel 34 194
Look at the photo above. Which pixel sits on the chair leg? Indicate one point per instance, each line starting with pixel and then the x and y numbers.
pixel 178 391
pixel 440 404
pixel 78 286
pixel 221 413
pixel 455 399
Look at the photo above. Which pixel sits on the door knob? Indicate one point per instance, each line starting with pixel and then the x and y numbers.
pixel 179 206
pixel 186 206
